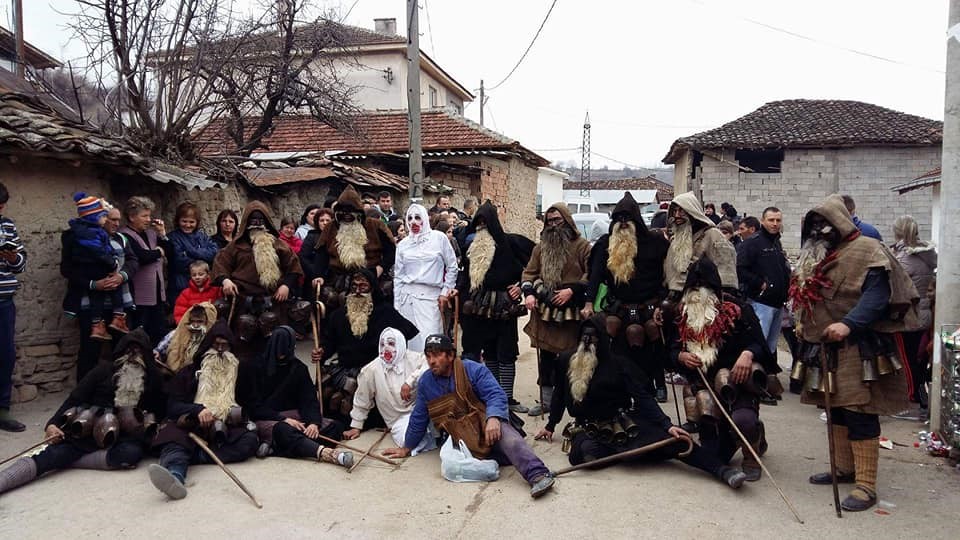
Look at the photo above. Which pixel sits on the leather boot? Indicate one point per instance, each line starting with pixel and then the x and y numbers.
pixel 866 458
pixel 99 332
pixel 344 458
pixel 843 457
pixel 20 472
pixel 119 323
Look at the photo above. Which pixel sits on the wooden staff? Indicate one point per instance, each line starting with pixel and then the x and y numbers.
pixel 206 449
pixel 233 306
pixel 456 321
pixel 673 383
pixel 746 444
pixel 25 450
pixel 631 453
pixel 357 450
pixel 315 319
pixel 827 388
pixel 369 450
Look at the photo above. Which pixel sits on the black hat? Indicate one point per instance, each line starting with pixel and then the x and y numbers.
pixel 438 342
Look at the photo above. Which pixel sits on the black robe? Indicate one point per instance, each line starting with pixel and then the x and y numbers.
pixel 355 352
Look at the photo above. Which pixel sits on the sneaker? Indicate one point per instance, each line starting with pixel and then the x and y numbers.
pixel 537 410
pixel 345 458
pixel 541 486
pixel 166 482
pixel 518 407
pixel 732 477
pixel 907 414
pixel 823 417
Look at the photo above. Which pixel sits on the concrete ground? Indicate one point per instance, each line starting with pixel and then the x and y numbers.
pixel 305 499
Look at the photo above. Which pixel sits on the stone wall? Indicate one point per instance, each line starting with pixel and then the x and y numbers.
pixel 809 175
pixel 511 184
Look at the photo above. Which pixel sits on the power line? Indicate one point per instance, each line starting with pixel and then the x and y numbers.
pixel 534 40
pixel 426 9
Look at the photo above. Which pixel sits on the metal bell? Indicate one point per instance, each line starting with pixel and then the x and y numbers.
pixel 813 380
pixel 798 372
pixel 895 362
pixel 869 372
pixel 619 434
pixel 725 389
pixel 884 366
pixel 629 426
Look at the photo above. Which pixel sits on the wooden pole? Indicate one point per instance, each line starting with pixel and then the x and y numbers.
pixel 206 449
pixel 357 450
pixel 25 450
pixel 630 453
pixel 315 319
pixel 827 388
pixel 369 451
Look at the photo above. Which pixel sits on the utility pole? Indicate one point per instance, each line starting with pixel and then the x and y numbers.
pixel 413 102
pixel 481 102
pixel 948 264
pixel 585 158
pixel 18 37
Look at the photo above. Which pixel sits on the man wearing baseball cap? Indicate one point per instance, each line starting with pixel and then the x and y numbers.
pixel 463 399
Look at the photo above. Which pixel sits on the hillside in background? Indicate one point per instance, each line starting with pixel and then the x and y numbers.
pixel 663 174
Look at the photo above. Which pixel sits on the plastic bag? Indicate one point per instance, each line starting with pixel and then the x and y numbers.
pixel 457 464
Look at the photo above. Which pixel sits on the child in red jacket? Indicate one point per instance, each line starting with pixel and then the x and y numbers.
pixel 288 233
pixel 199 290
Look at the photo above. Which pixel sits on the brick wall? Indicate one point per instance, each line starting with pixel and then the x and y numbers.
pixel 809 175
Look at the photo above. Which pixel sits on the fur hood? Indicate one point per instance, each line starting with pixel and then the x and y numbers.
pixel 244 221
pixel 181 335
pixel 567 217
pixel 488 212
pixel 688 201
pixel 628 205
pixel 349 200
pixel 835 212
pixel 703 273
pixel 219 329
pixel 138 336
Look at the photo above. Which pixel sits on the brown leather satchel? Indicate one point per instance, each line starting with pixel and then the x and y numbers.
pixel 461 413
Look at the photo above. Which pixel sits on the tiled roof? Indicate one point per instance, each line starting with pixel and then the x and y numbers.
pixel 929 178
pixel 664 190
pixel 378 132
pixel 355 35
pixel 815 123
pixel 319 169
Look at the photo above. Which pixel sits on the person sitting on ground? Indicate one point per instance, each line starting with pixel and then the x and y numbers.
pixel 200 290
pixel 177 349
pixel 486 402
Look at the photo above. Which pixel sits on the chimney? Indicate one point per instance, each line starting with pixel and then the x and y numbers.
pixel 386 27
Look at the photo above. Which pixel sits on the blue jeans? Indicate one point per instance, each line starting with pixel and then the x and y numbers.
pixel 770 323
pixel 511 449
pixel 8 352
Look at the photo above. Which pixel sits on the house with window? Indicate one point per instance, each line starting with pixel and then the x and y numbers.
pixel 791 154
pixel 33 57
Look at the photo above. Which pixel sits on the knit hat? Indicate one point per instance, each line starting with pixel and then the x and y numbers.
pixel 89 208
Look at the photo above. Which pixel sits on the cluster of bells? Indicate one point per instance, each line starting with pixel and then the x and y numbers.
pixel 872 369
pixel 105 424
pixel 219 429
pixel 260 320
pixel 496 305
pixel 698 404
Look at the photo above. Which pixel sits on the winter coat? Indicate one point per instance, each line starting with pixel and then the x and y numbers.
pixel 192 296
pixel 763 270
pixel 195 246
pixel 380 248
pixel 80 271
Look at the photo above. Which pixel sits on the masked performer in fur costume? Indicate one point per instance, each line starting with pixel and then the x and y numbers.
pixel 259 270
pixel 425 275
pixel 849 296
pixel 289 394
pixel 351 242
pixel 693 235
pixel 180 345
pixel 101 425
pixel 489 286
pixel 215 397
pixel 389 383
pixel 351 340
pixel 606 395
pixel 629 262
pixel 553 285
pixel 722 335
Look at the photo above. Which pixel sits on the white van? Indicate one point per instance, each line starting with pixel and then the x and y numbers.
pixel 581 205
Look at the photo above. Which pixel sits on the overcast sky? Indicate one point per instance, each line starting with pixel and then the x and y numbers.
pixel 649 71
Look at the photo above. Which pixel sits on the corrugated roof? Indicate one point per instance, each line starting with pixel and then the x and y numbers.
pixel 815 123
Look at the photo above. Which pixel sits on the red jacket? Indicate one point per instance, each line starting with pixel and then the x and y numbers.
pixel 294 242
pixel 192 296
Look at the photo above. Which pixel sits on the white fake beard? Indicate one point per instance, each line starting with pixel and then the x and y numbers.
pixel 700 305
pixel 813 252
pixel 359 308
pixel 481 253
pixel 182 347
pixel 216 389
pixel 265 258
pixel 681 247
pixel 129 381
pixel 582 365
pixel 623 250
pixel 351 239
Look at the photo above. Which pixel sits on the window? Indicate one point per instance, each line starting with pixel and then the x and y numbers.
pixel 764 160
pixel 433 97
pixel 456 106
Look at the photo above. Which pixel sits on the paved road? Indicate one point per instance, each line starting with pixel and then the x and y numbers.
pixel 304 499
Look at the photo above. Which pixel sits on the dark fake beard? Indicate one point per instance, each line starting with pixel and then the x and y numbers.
pixel 555 243
pixel 359 308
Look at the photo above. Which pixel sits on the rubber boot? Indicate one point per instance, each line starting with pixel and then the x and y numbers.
pixel 99 332
pixel 119 323
pixel 20 472
pixel 843 457
pixel 866 458
pixel 544 406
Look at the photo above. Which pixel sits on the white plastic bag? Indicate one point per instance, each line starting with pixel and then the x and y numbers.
pixel 457 464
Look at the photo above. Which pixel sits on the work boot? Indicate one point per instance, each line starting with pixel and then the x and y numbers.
pixel 7 423
pixel 166 482
pixel 543 407
pixel 344 458
pixel 119 323
pixel 20 472
pixel 518 407
pixel 732 477
pixel 866 457
pixel 541 485
pixel 843 457
pixel 99 332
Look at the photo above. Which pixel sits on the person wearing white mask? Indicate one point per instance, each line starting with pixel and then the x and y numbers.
pixel 390 384
pixel 424 275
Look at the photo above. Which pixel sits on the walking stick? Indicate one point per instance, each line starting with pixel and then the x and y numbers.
pixel 827 388
pixel 456 321
pixel 747 445
pixel 367 453
pixel 543 406
pixel 315 320
pixel 630 453
pixel 206 449
pixel 25 450
pixel 673 382
pixel 357 450
pixel 233 305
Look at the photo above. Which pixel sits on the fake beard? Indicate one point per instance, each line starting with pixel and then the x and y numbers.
pixel 582 365
pixel 700 309
pixel 812 253
pixel 623 250
pixel 359 308
pixel 129 380
pixel 681 247
pixel 554 252
pixel 351 239
pixel 182 347
pixel 217 382
pixel 481 253
pixel 265 258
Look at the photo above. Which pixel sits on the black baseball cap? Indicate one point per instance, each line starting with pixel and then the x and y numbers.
pixel 438 342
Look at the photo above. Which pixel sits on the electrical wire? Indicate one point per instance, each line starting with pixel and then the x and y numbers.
pixel 534 40
pixel 426 10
